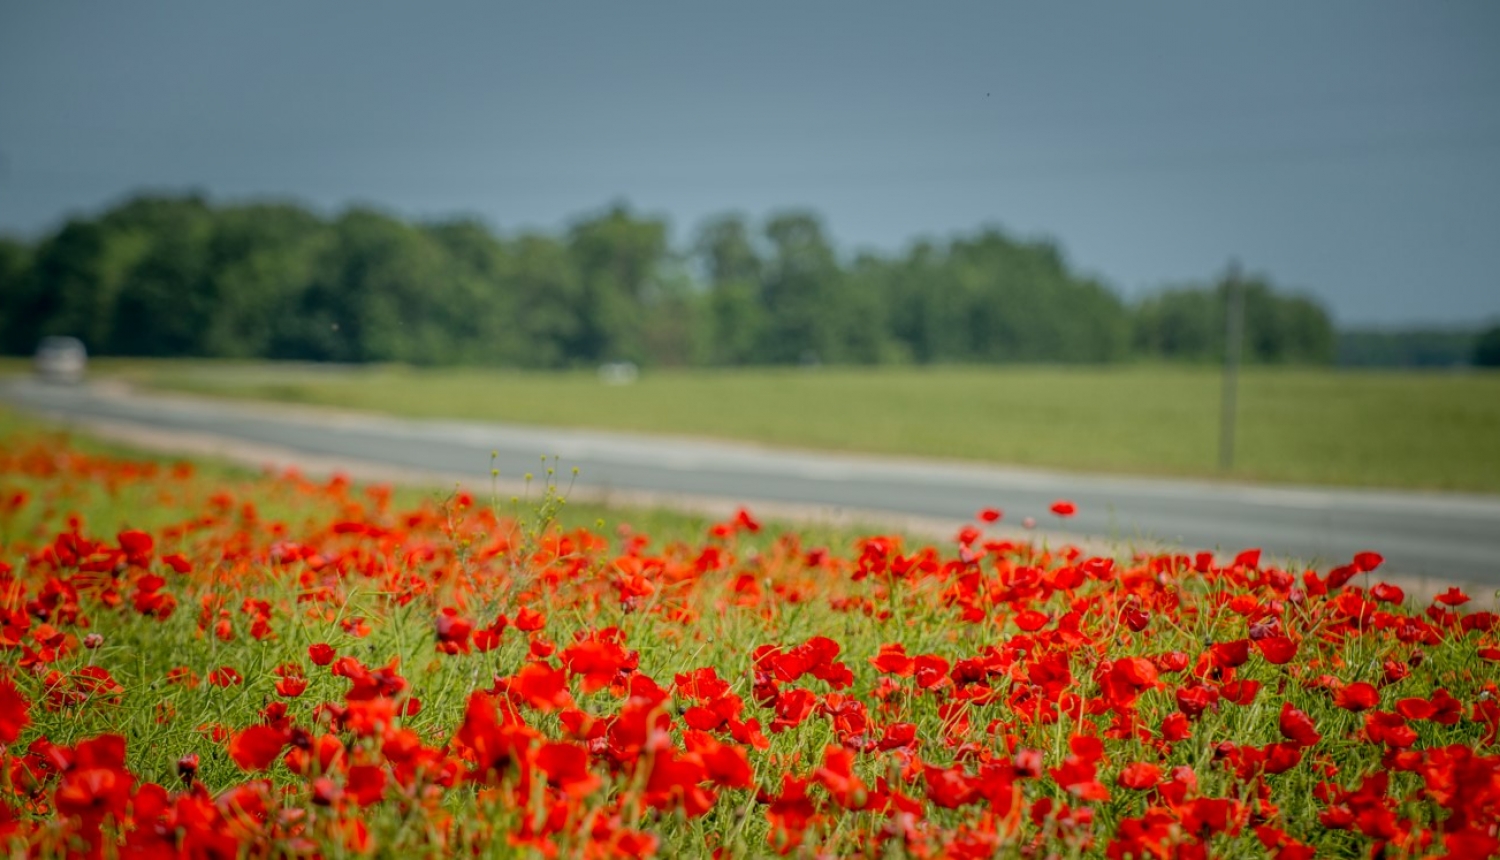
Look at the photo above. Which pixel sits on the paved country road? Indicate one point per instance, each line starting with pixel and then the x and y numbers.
pixel 1430 535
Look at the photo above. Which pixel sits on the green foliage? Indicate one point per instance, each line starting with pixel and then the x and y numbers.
pixel 616 257
pixel 176 276
pixel 15 286
pixel 1406 348
pixel 1487 348
pixel 1188 324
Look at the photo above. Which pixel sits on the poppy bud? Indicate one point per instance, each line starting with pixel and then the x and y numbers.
pixel 1263 629
pixel 326 792
pixel 1028 763
pixel 92 641
pixel 187 768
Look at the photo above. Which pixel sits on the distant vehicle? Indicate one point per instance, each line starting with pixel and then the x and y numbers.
pixel 619 372
pixel 60 359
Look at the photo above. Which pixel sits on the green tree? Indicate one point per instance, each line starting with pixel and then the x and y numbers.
pixel 989 298
pixel 673 328
pixel 1188 324
pixel 1487 348
pixel 799 290
pixel 735 318
pixel 617 257
pixel 166 300
pixel 261 257
pixel 377 294
pixel 1022 304
pixel 76 278
pixel 17 292
pixel 548 300
pixel 482 297
pixel 1414 347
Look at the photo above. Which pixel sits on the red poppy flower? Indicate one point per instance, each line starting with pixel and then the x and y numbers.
pixel 137 546
pixel 1193 701
pixel 929 671
pixel 1064 508
pixel 726 764
pixel 744 520
pixel 225 676
pixel 1297 726
pixel 599 661
pixel 989 515
pixel 256 747
pixel 95 782
pixel 366 784
pixel 1415 709
pixel 792 707
pixel 949 787
pixel 486 639
pixel 1230 655
pixel 1241 692
pixel 453 631
pixel 326 792
pixel 1276 649
pixel 1357 697
pixel 837 776
pixel 541 687
pixel 187 768
pixel 15 711
pixel 1389 729
pixel 566 767
pixel 1139 776
pixel 892 660
pixel 1281 758
pixel 1452 597
pixel 1031 621
pixel 528 620
pixel 897 736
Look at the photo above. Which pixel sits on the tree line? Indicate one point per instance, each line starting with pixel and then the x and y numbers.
pixel 178 276
pixel 1423 347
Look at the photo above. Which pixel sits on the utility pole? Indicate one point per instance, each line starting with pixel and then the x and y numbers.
pixel 1234 337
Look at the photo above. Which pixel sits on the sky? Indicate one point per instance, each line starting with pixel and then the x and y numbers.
pixel 1347 150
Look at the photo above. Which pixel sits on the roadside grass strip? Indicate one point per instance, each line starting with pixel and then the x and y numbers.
pixel 1397 429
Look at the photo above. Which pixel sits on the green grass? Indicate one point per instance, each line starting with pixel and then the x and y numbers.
pixel 1379 429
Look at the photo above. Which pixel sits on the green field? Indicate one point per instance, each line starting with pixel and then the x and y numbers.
pixel 1315 426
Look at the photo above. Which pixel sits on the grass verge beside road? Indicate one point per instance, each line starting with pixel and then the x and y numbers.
pixel 1438 431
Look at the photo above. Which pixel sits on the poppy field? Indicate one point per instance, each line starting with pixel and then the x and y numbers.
pixel 204 665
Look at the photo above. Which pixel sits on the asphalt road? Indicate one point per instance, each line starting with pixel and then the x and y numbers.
pixel 1442 536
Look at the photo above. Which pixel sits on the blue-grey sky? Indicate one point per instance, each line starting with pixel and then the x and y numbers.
pixel 1348 149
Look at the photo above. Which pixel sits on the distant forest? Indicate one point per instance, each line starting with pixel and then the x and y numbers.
pixel 179 276
pixel 1416 347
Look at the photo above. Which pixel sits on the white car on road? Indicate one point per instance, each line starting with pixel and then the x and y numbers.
pixel 60 359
